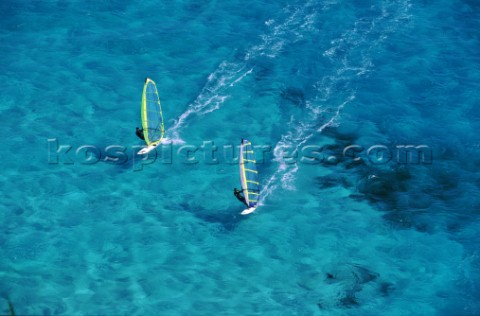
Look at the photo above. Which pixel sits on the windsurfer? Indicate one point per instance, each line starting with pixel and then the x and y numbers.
pixel 139 133
pixel 239 196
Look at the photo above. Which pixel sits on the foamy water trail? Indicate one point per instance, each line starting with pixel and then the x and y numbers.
pixel 304 132
pixel 299 22
pixel 336 89
pixel 217 87
pixel 212 95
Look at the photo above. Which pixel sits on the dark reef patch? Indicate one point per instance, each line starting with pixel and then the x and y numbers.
pixel 349 280
pixel 378 184
pixel 264 69
pixel 349 300
pixel 226 218
pixel 386 288
pixel 407 193
pixel 293 95
pixel 332 180
pixel 341 134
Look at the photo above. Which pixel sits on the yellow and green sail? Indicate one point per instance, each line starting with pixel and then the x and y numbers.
pixel 152 118
pixel 249 174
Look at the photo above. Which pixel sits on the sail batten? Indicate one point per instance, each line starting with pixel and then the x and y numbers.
pixel 151 112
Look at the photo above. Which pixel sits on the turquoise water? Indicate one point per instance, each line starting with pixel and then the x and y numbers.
pixel 334 238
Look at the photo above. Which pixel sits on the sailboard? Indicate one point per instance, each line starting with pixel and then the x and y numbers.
pixel 152 117
pixel 249 176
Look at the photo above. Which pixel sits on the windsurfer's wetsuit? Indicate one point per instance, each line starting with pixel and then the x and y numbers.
pixel 139 133
pixel 240 197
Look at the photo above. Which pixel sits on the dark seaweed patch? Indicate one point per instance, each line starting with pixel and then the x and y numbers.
pixel 394 191
pixel 364 275
pixel 357 197
pixel 332 180
pixel 376 187
pixel 382 184
pixel 340 134
pixel 352 278
pixel 263 69
pixel 293 95
pixel 386 288
pixel 225 218
pixel 18 210
pixel 349 301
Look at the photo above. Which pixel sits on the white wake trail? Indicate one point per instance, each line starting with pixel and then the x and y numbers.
pixel 212 95
pixel 216 90
pixel 366 34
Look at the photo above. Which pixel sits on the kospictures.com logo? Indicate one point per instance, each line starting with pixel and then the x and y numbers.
pixel 210 154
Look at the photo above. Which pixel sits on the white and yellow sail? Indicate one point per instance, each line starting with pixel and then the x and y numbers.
pixel 152 117
pixel 249 176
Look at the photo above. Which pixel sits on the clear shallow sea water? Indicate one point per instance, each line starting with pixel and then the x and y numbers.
pixel 335 238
